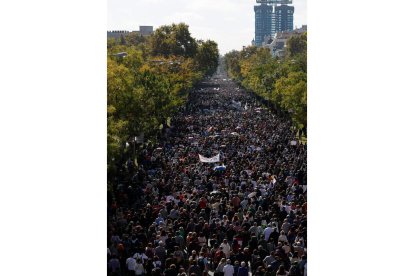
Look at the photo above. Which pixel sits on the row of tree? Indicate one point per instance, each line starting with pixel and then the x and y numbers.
pixel 281 81
pixel 148 79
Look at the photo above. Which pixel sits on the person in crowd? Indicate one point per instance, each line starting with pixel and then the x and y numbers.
pixel 269 259
pixel 171 271
pixel 281 271
pixel 130 263
pixel 226 248
pixel 243 270
pixel 220 268
pixel 236 268
pixel 114 266
pixel 194 269
pixel 173 213
pixel 139 268
pixel 228 269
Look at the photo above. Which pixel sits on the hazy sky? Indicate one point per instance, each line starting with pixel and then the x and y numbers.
pixel 228 22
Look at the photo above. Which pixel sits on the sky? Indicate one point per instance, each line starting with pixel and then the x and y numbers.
pixel 228 22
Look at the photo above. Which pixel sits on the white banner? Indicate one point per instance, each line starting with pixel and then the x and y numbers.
pixel 213 159
pixel 236 105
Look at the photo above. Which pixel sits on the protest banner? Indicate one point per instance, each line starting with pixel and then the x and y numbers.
pixel 213 159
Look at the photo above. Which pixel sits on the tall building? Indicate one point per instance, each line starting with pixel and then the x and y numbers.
pixel 284 18
pixel 263 22
pixel 271 17
pixel 146 30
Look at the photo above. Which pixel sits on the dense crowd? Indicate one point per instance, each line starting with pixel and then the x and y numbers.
pixel 244 215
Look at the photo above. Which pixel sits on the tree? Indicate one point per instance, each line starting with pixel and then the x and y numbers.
pixel 174 40
pixel 291 93
pixel 111 42
pixel 232 64
pixel 122 40
pixel 297 45
pixel 207 57
pixel 150 83
pixel 119 84
pixel 134 39
pixel 280 81
pixel 257 71
pixel 117 134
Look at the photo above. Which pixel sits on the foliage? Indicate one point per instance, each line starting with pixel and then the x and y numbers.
pixel 148 85
pixel 297 44
pixel 291 94
pixel 134 38
pixel 232 65
pixel 173 40
pixel 207 57
pixel 281 81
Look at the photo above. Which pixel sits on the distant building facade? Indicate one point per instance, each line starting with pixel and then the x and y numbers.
pixel 146 30
pixel 116 34
pixel 271 17
pixel 284 18
pixel 143 30
pixel 263 23
pixel 277 45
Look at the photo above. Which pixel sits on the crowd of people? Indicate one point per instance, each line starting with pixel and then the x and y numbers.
pixel 243 214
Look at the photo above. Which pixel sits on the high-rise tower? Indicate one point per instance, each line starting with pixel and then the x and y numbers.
pixel 284 18
pixel 271 17
pixel 263 22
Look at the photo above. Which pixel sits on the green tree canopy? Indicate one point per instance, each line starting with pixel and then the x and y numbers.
pixel 282 81
pixel 174 40
pixel 297 45
pixel 146 86
pixel 291 94
pixel 207 56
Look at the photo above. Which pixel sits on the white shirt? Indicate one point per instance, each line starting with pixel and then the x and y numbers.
pixel 226 249
pixel 283 238
pixel 287 208
pixel 131 262
pixel 141 256
pixel 139 269
pixel 267 232
pixel 228 270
